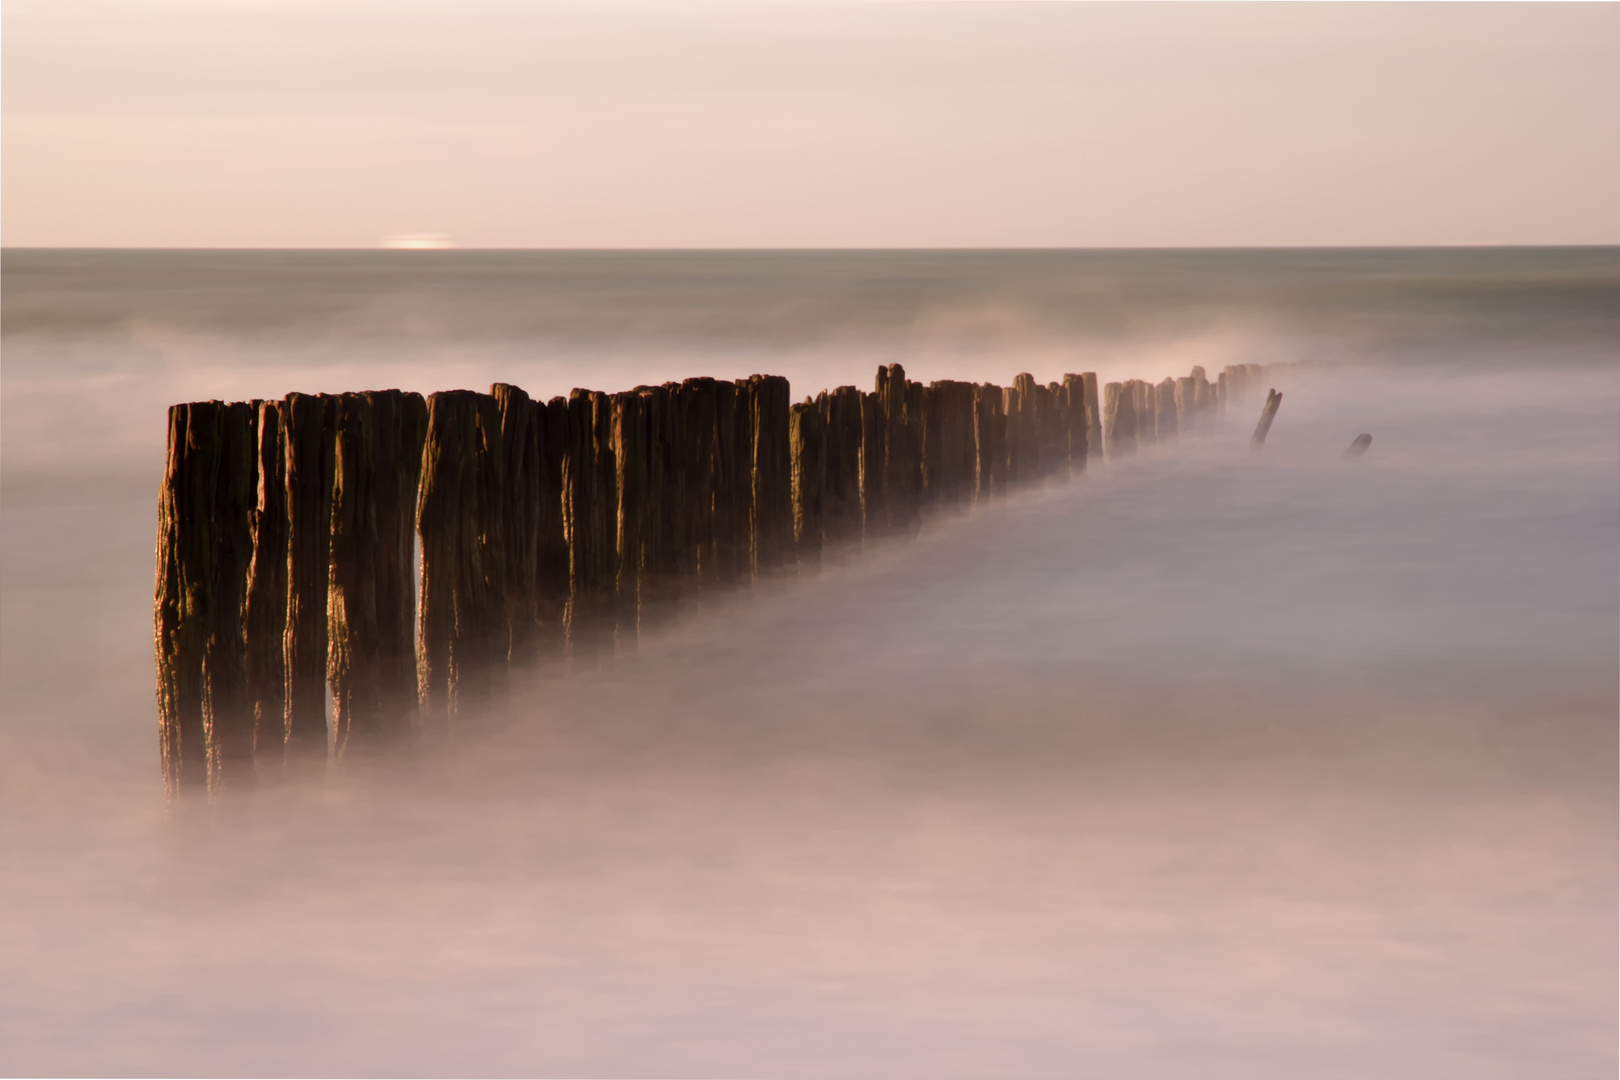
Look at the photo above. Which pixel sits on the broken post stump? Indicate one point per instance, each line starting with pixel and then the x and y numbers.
pixel 1267 415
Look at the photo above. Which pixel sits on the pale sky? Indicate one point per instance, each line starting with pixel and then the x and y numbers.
pixel 282 123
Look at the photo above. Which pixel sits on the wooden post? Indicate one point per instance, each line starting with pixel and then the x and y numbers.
pixel 807 449
pixel 986 470
pixel 660 585
pixel 399 426
pixel 265 618
pixel 731 477
pixel 1094 417
pixel 902 471
pixel 930 444
pixel 488 598
pixel 1204 399
pixel 1267 415
pixel 307 422
pixel 227 711
pixel 1186 405
pixel 1164 405
pixel 183 607
pixel 352 627
pixel 1020 410
pixel 1146 412
pixel 1075 422
pixel 590 479
pixel 519 520
pixel 697 425
pixel 746 509
pixel 448 638
pixel 1119 404
pixel 552 562
pixel 874 466
pixel 841 499
pixel 773 480
pixel 631 462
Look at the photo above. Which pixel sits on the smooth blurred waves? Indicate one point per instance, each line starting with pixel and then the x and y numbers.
pixel 1207 764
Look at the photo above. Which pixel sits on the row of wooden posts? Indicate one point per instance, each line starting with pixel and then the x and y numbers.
pixel 292 534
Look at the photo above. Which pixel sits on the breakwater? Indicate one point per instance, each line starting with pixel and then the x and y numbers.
pixel 404 555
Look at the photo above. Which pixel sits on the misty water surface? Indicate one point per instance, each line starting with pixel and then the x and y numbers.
pixel 1207 764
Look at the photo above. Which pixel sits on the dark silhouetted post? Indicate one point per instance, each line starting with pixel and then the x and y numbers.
pixel 552 562
pixel 841 497
pixel 631 462
pixel 447 524
pixel 773 479
pixel 807 451
pixel 399 426
pixel 307 422
pixel 352 588
pixel 265 619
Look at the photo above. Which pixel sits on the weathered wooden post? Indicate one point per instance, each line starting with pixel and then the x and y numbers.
pixel 1164 404
pixel 519 520
pixel 1119 405
pixel 731 478
pixel 874 466
pixel 1186 405
pixel 307 422
pixel 841 497
pixel 183 611
pixel 352 630
pixel 552 563
pixel 1094 417
pixel 991 436
pixel 773 480
pixel 807 449
pixel 1020 411
pixel 1267 415
pixel 1076 422
pixel 697 402
pixel 590 480
pixel 924 407
pixel 227 711
pixel 902 465
pixel 747 512
pixel 1146 413
pixel 1049 419
pixel 489 617
pixel 631 461
pixel 660 585
pixel 265 618
pixel 1204 398
pixel 449 651
pixel 399 426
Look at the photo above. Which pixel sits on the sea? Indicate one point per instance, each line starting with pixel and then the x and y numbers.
pixel 1205 763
